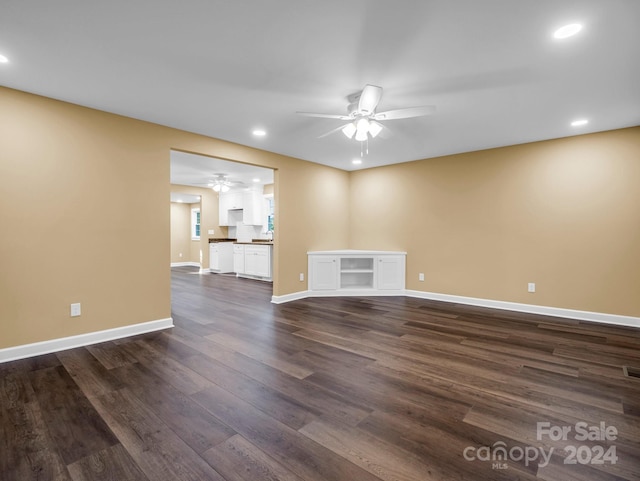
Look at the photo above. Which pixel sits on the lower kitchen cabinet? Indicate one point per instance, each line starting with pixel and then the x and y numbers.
pixel 221 257
pixel 355 272
pixel 254 261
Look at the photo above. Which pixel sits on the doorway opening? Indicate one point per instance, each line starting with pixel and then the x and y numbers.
pixel 222 217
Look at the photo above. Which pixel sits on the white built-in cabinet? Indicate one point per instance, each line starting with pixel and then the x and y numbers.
pixel 356 272
pixel 238 258
pixel 251 260
pixel 250 202
pixel 221 257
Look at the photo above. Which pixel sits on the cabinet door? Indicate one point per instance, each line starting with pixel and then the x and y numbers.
pixel 263 264
pixel 323 273
pixel 252 208
pixel 223 209
pixel 214 257
pixel 238 259
pixel 390 272
pixel 234 200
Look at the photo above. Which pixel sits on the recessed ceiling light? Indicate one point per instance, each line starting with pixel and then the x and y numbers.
pixel 3 59
pixel 256 180
pixel 259 133
pixel 567 30
pixel 578 123
pixel 356 161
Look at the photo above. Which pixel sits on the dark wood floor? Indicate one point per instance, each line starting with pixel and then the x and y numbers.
pixel 361 389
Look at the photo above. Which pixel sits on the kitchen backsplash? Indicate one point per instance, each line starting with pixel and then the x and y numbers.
pixel 245 233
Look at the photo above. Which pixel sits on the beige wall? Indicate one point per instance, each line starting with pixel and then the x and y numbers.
pixel 564 214
pixel 180 232
pixel 208 221
pixel 68 178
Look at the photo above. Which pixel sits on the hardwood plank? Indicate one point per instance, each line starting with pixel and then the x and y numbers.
pixel 373 455
pixel 295 451
pixel 159 452
pixel 88 373
pixel 315 398
pixel 239 460
pixel 271 357
pixel 75 427
pixel 268 400
pixel 110 355
pixel 193 424
pixel 26 450
pixel 170 370
pixel 110 464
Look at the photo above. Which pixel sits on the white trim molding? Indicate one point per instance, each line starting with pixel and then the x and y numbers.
pixel 294 296
pixel 81 340
pixel 600 317
pixel 185 264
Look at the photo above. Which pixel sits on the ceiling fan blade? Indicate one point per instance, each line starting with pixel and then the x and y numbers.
pixel 369 99
pixel 333 131
pixel 405 113
pixel 324 116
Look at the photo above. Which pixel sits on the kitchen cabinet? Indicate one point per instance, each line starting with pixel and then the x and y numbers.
pixel 221 257
pixel 253 208
pixel 228 201
pixel 238 259
pixel 250 203
pixel 356 272
pixel 257 261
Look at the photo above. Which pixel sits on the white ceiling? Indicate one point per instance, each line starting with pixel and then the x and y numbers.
pixel 200 171
pixel 223 68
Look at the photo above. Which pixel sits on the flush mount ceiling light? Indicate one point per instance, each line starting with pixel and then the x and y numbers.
pixel 567 31
pixel 578 123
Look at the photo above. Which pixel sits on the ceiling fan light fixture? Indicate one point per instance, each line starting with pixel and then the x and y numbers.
pixel 349 130
pixel 374 128
pixel 361 135
pixel 221 188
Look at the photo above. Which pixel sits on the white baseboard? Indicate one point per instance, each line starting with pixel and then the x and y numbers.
pixel 294 296
pixel 185 264
pixel 55 345
pixel 600 317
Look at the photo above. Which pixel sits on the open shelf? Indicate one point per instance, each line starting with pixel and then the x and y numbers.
pixel 353 264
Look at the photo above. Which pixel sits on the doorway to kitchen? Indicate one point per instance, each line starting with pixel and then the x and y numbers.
pixel 222 217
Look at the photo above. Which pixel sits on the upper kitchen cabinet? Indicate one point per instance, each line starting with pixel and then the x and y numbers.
pixel 253 208
pixel 250 202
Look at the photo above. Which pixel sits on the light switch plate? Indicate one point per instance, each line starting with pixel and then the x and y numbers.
pixel 75 309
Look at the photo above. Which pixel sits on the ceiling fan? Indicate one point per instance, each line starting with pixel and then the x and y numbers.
pixel 363 120
pixel 221 183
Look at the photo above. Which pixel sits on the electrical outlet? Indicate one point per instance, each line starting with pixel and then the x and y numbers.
pixel 75 309
pixel 301 276
pixel 210 231
pixel 531 287
pixel 421 276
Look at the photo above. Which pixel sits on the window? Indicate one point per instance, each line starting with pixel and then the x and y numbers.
pixel 195 224
pixel 269 213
